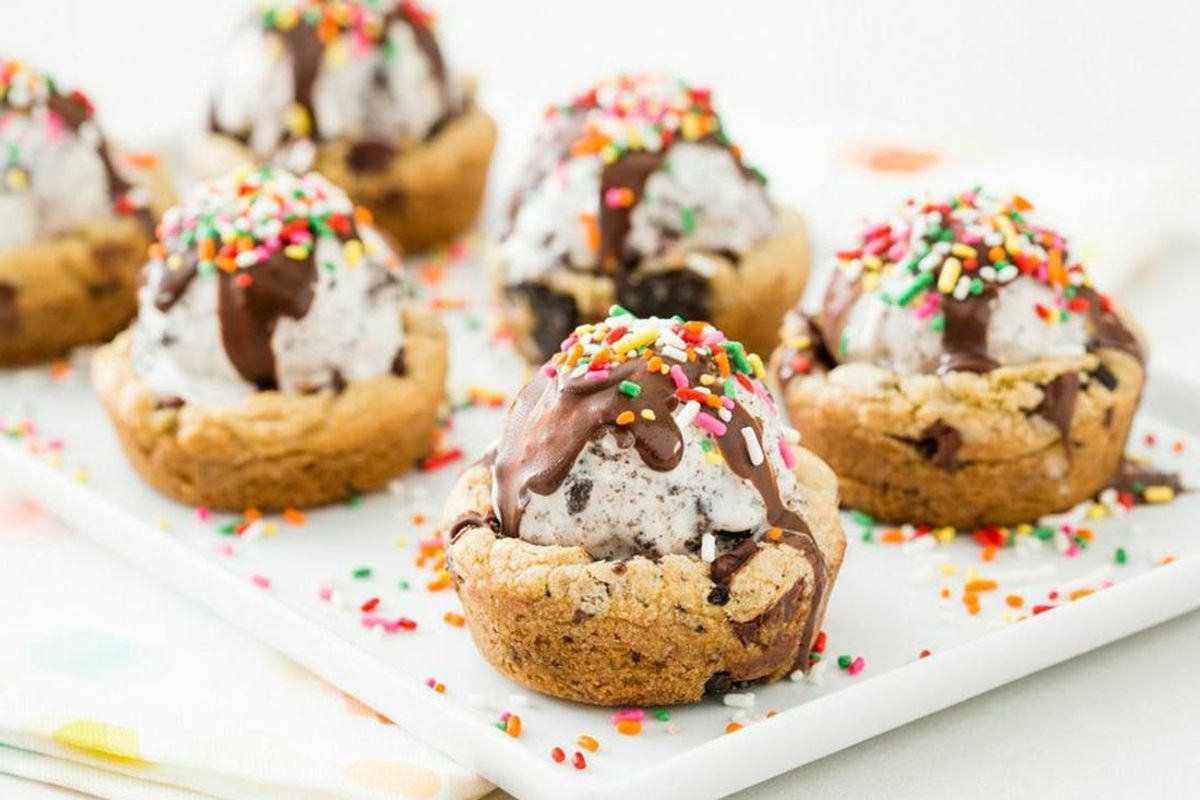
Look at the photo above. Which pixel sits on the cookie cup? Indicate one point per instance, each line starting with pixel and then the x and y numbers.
pixel 885 436
pixel 428 194
pixel 640 632
pixel 75 289
pixel 273 450
pixel 746 298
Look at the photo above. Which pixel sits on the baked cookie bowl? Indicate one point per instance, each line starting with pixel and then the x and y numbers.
pixel 641 631
pixel 79 287
pixel 277 450
pixel 745 295
pixel 423 193
pixel 969 449
pixel 74 289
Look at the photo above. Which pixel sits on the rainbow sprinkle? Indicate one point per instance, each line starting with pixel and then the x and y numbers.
pixel 641 112
pixel 239 222
pixel 960 245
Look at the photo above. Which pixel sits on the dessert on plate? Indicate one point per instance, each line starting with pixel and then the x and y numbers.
pixel 634 194
pixel 645 482
pixel 961 369
pixel 75 220
pixel 274 361
pixel 361 91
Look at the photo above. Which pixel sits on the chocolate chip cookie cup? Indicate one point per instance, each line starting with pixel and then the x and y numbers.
pixel 961 369
pixel 647 531
pixel 361 91
pixel 634 195
pixel 275 360
pixel 75 221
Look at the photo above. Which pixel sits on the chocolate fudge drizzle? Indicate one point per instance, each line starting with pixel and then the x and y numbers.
pixel 307 53
pixel 248 311
pixel 1133 478
pixel 280 287
pixel 1058 404
pixel 74 113
pixel 631 171
pixel 554 417
pixel 964 336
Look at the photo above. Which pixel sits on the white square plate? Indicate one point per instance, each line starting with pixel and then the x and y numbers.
pixel 888 605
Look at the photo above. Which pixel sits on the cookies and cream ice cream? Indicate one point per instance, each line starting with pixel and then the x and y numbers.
pixel 970 283
pixel 266 280
pixel 56 171
pixel 635 167
pixel 636 182
pixel 647 436
pixel 300 72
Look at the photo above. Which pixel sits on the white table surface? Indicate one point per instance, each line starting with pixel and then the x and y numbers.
pixel 1119 722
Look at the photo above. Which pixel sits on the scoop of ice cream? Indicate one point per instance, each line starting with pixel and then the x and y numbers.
pixel 299 71
pixel 56 173
pixel 971 282
pixel 266 280
pixel 634 168
pixel 647 436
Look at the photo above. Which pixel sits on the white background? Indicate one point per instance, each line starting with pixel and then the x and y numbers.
pixel 1097 78
pixel 1091 75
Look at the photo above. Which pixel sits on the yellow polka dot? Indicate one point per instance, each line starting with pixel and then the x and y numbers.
pixel 109 742
pixel 400 779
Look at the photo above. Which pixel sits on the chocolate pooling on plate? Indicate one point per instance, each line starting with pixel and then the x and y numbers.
pixel 1135 477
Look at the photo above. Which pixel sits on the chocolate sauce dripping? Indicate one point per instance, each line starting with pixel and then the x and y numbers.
pixel 551 422
pixel 473 519
pixel 548 428
pixel 74 114
pixel 965 333
pixel 308 56
pixel 630 171
pixel 726 565
pixel 10 318
pixel 173 284
pixel 279 287
pixel 1133 478
pixel 840 296
pixel 1058 404
pixel 1108 330
pixel 428 44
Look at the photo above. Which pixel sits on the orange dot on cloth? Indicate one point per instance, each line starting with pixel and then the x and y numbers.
pixel 394 777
